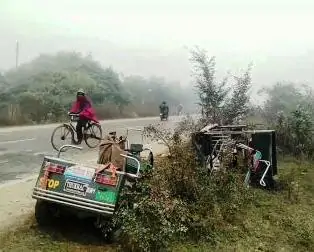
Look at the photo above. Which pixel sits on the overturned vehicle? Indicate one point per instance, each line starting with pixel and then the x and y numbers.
pixel 66 188
pixel 236 147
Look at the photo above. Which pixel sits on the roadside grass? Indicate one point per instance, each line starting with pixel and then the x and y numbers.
pixel 276 221
pixel 281 220
pixel 64 235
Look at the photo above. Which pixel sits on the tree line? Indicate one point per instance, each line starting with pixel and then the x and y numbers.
pixel 42 90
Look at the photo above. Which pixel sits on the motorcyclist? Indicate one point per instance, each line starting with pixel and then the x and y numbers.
pixel 83 107
pixel 164 109
pixel 179 109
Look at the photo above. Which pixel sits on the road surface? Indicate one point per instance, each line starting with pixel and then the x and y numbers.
pixel 23 148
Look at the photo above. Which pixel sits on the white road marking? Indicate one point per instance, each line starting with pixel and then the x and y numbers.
pixel 17 141
pixel 104 123
pixel 51 126
pixel 45 153
pixel 4 161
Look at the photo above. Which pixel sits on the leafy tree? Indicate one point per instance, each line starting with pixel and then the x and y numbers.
pixel 218 104
pixel 301 129
pixel 211 94
pixel 294 132
pixel 43 90
pixel 289 109
pixel 284 97
pixel 238 105
pixel 3 81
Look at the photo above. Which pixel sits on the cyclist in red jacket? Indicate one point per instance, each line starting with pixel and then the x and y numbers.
pixel 83 107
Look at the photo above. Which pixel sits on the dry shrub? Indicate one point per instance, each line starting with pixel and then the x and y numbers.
pixel 179 201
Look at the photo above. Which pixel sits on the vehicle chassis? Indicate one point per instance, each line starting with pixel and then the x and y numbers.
pixel 66 187
pixel 210 142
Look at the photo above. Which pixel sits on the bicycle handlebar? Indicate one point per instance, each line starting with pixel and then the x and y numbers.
pixel 73 114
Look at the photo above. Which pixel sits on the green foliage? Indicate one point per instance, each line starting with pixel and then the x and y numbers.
pixel 211 94
pixel 294 132
pixel 43 90
pixel 2 81
pixel 284 98
pixel 178 201
pixel 289 109
pixel 237 106
pixel 281 221
pixel 218 104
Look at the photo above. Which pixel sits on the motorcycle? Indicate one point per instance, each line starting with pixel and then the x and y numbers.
pixel 163 116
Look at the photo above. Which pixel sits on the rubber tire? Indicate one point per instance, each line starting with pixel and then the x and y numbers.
pixel 111 236
pixel 150 159
pixel 116 235
pixel 54 131
pixel 86 138
pixel 43 214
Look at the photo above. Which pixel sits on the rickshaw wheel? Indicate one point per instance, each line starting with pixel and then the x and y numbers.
pixel 43 213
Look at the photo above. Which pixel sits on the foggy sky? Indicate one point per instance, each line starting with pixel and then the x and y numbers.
pixel 149 37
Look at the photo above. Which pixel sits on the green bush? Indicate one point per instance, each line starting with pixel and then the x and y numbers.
pixel 179 201
pixel 289 110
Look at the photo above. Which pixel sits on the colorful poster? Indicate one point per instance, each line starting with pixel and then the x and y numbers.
pixel 106 196
pixel 80 172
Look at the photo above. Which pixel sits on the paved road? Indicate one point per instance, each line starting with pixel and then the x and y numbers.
pixel 22 148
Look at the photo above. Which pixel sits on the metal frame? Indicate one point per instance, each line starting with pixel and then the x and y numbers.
pixel 142 135
pixel 138 166
pixel 240 132
pixel 79 202
pixel 146 148
pixel 80 148
pixel 247 177
pixel 73 201
pixel 127 133
pixel 72 119
pixel 262 182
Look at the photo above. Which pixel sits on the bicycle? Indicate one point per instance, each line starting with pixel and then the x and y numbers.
pixel 68 129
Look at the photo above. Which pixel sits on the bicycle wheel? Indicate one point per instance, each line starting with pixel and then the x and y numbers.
pixel 93 135
pixel 66 136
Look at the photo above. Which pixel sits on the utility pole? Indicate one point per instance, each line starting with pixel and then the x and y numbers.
pixel 17 54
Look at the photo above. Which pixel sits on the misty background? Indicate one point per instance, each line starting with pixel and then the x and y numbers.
pixel 151 37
